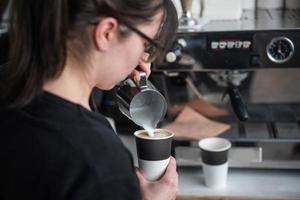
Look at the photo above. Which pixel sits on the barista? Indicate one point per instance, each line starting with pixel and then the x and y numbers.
pixel 52 146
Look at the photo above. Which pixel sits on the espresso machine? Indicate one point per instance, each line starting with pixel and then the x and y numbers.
pixel 251 68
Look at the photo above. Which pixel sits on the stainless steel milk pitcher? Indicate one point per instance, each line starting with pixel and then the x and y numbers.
pixel 141 102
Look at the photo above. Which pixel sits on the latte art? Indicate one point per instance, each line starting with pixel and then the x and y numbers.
pixel 156 134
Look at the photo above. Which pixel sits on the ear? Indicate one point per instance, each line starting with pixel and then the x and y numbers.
pixel 105 32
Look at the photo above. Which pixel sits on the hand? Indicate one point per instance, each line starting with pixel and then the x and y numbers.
pixel 164 189
pixel 143 66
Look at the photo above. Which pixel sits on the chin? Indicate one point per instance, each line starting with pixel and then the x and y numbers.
pixel 105 87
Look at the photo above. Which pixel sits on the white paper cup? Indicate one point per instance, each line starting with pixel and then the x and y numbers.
pixel 270 4
pixel 214 154
pixel 153 153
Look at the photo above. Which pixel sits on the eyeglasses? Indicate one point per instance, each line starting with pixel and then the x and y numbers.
pixel 152 48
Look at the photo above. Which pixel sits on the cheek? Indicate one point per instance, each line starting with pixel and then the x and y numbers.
pixel 123 61
pixel 133 55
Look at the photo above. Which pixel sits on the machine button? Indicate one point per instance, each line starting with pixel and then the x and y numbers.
pixel 171 57
pixel 254 60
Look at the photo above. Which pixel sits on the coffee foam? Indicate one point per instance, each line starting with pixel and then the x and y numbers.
pixel 158 134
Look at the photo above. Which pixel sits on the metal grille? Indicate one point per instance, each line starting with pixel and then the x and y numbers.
pixel 267 122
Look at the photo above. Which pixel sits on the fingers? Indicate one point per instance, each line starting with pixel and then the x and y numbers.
pixel 135 75
pixel 140 176
pixel 143 66
pixel 171 175
pixel 171 169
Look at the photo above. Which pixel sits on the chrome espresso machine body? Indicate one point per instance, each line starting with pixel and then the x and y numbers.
pixel 256 60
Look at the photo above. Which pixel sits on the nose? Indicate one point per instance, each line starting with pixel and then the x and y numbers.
pixel 145 57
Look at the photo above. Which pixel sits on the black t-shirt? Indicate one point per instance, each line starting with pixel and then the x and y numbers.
pixel 54 149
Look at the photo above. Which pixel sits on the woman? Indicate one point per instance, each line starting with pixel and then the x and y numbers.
pixel 52 145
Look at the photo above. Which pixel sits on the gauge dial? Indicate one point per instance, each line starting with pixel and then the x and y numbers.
pixel 280 49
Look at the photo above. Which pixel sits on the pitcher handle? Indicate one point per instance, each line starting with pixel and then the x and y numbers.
pixel 143 82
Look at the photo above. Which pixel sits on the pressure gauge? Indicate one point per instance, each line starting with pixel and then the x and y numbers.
pixel 280 50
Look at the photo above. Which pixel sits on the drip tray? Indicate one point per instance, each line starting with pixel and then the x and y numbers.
pixel 266 122
pixel 239 157
pixel 287 130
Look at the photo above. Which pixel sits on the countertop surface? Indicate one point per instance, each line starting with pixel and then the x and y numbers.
pixel 243 183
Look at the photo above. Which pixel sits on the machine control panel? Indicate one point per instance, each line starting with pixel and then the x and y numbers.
pixel 233 50
pixel 280 49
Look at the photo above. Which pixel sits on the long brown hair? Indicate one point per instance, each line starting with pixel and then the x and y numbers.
pixel 40 29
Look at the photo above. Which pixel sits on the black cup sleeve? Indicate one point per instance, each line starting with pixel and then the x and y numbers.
pixel 153 149
pixel 214 158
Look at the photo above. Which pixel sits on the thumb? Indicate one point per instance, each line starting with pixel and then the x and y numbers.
pixel 171 169
pixel 140 176
pixel 135 75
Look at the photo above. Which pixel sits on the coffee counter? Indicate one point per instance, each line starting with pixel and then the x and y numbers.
pixel 244 184
pixel 254 183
